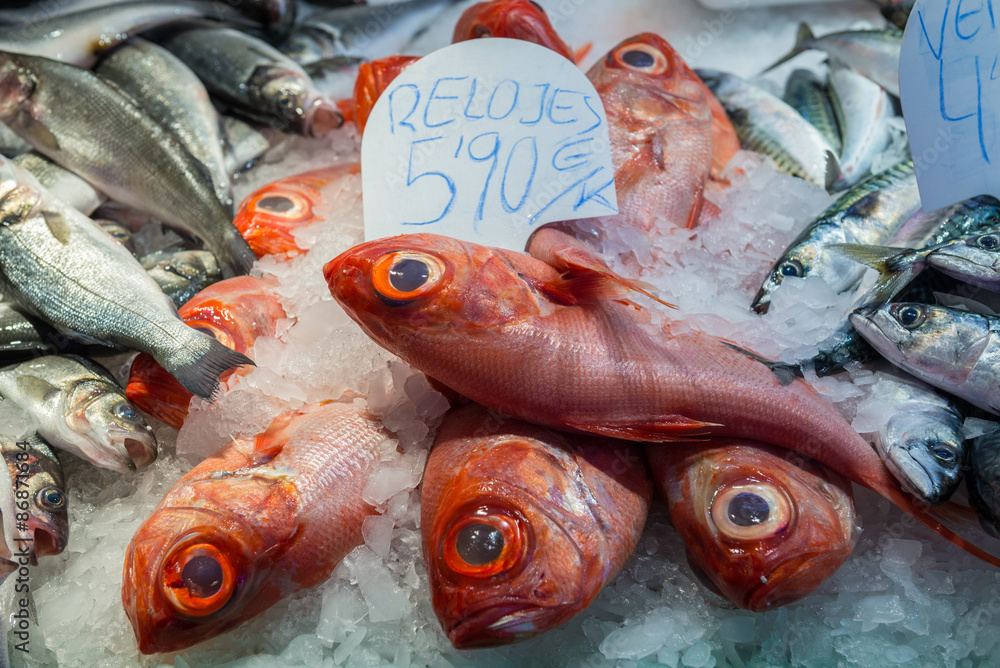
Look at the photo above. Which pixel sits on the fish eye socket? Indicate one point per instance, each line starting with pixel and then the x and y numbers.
pixel 909 316
pixel 751 511
pixel 484 543
pixel 641 58
pixel 988 242
pixel 198 580
pixel 50 498
pixel 403 276
pixel 287 206
pixel 791 267
pixel 944 453
pixel 126 412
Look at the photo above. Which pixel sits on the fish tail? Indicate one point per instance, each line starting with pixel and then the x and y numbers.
pixel 802 43
pixel 235 256
pixel 934 520
pixel 200 375
pixel 834 175
pixel 896 268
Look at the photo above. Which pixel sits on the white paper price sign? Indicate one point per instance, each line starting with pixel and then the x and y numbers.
pixel 949 80
pixel 485 140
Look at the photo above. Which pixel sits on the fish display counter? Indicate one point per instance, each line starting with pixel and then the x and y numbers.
pixel 747 420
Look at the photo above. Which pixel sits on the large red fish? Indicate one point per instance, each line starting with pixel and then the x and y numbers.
pixel 668 133
pixel 235 311
pixel 255 522
pixel 269 217
pixel 514 19
pixel 764 530
pixel 553 345
pixel 522 526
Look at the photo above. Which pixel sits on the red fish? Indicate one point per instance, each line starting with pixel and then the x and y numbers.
pixel 557 345
pixel 668 133
pixel 269 216
pixel 514 19
pixel 257 521
pixel 764 530
pixel 523 526
pixel 235 311
pixel 373 78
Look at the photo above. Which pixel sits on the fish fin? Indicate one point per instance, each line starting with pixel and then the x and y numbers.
pixel 802 38
pixel 38 132
pixel 347 109
pixel 201 377
pixel 234 254
pixel 582 52
pixel 587 278
pixel 833 173
pixel 896 268
pixel 57 225
pixel 785 373
pixel 263 451
pixel 663 429
pixel 320 67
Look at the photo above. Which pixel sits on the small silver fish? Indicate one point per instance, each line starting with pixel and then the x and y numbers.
pixel 71 188
pixel 974 260
pixel 872 53
pixel 863 111
pixel 956 351
pixel 869 213
pixel 922 439
pixel 170 92
pixel 766 124
pixel 257 79
pixel 38 481
pixel 78 407
pixel 809 96
pixel 64 269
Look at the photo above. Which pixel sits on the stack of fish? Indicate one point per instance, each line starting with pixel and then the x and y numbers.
pixel 570 373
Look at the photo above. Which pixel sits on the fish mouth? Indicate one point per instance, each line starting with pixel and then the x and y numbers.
pixel 142 454
pixel 47 542
pixel 497 625
pixel 322 117
pixel 796 578
pixel 135 449
pixel 761 302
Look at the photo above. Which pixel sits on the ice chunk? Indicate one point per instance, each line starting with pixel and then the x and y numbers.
pixel 384 598
pixel 875 610
pixel 343 608
pixel 377 530
pixel 15 422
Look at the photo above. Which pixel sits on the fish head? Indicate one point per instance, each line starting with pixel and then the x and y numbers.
pixel 412 286
pixel 797 262
pixel 508 553
pixel 299 107
pixel 646 85
pixel 515 19
pixel 766 526
pixel 111 432
pixel 976 259
pixel 373 78
pixel 48 521
pixel 190 574
pixel 925 455
pixel 937 344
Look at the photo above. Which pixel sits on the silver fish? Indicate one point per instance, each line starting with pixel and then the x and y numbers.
pixel 89 127
pixel 983 480
pixel 869 213
pixel 182 274
pixel 244 144
pixel 256 79
pixel 809 96
pixel 863 111
pixel 81 410
pixel 974 260
pixel 168 91
pixel 11 145
pixel 872 53
pixel 922 439
pixel 365 31
pixel 38 482
pixel 766 124
pixel 63 268
pixel 956 351
pixel 77 37
pixel 66 185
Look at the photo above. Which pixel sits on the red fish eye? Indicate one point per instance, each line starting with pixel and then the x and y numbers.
pixel 198 580
pixel 641 58
pixel 483 544
pixel 289 206
pixel 403 276
pixel 751 511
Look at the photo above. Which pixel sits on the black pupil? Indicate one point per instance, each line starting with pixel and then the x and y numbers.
pixel 990 242
pixel 747 509
pixel 909 315
pixel 944 454
pixel 53 497
pixel 637 58
pixel 276 203
pixel 479 544
pixel 789 269
pixel 202 577
pixel 126 412
pixel 408 275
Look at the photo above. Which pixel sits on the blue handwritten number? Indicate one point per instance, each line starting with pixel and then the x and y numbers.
pixel 533 146
pixel 411 179
pixel 491 153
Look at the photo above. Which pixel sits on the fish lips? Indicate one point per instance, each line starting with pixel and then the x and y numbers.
pixel 321 117
pixel 498 624
pixel 795 578
pixel 967 263
pixel 913 467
